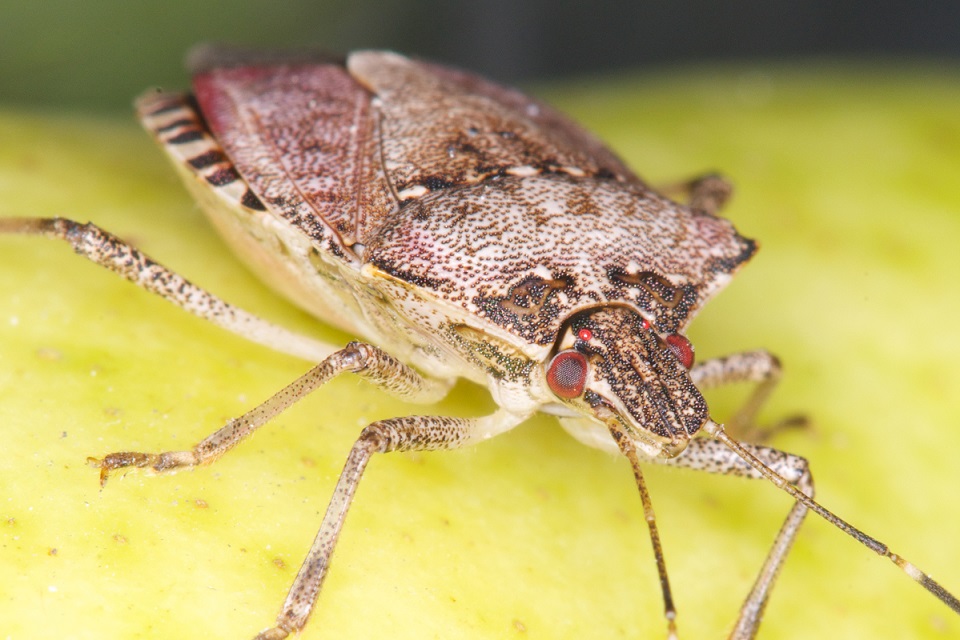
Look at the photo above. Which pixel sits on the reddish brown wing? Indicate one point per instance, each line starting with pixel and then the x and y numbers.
pixel 302 136
pixel 567 133
pixel 337 150
pixel 443 127
pixel 333 149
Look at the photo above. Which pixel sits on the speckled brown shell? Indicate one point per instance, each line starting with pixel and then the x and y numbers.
pixel 467 191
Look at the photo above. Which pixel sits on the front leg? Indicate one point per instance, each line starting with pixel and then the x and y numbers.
pixel 801 492
pixel 752 366
pixel 713 457
pixel 412 433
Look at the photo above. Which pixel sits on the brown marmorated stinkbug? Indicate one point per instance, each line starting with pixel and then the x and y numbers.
pixel 462 230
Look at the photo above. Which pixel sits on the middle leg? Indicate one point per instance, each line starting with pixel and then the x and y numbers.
pixel 360 358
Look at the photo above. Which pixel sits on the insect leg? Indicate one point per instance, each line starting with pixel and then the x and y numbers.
pixel 109 251
pixel 758 366
pixel 365 360
pixel 797 491
pixel 713 457
pixel 707 193
pixel 412 433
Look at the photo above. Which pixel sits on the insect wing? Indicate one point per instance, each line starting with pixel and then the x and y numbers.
pixel 338 151
pixel 443 128
pixel 302 136
pixel 554 125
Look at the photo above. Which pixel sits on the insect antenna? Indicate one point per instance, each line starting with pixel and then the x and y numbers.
pixel 669 610
pixel 717 431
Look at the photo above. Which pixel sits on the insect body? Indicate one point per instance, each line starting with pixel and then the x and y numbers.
pixel 461 230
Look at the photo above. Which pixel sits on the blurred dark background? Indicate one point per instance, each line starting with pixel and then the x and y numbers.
pixel 97 55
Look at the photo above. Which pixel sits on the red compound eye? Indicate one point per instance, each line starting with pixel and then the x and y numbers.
pixel 567 374
pixel 682 348
pixel 585 334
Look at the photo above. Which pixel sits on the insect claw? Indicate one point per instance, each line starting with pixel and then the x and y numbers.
pixel 121 460
pixel 104 472
pixel 274 633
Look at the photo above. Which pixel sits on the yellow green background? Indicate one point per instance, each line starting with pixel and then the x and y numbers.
pixel 847 175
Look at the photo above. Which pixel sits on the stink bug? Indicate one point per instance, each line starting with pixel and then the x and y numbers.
pixel 462 230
